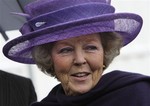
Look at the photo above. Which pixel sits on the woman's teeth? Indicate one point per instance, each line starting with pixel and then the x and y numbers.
pixel 81 74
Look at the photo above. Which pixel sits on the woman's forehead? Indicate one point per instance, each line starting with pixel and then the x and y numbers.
pixel 82 38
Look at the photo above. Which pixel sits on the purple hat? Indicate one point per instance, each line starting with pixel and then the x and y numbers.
pixel 53 20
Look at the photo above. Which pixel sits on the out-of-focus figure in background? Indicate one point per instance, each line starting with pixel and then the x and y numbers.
pixel 16 90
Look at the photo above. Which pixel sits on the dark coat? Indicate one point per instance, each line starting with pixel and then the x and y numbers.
pixel 114 89
pixel 16 90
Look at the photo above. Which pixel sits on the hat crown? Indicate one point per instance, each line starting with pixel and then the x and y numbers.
pixel 43 6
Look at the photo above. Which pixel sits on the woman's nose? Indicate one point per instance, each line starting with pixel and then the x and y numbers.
pixel 79 58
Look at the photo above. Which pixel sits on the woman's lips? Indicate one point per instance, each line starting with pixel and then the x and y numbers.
pixel 80 76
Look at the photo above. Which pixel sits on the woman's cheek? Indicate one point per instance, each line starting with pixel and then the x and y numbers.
pixel 61 65
pixel 96 64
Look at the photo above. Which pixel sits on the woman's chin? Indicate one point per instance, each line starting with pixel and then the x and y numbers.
pixel 77 90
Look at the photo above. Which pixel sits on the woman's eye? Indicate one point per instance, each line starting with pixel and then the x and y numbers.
pixel 91 48
pixel 66 50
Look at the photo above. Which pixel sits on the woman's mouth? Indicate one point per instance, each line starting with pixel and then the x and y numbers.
pixel 80 74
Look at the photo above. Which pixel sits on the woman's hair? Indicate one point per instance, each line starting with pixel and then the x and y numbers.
pixel 111 42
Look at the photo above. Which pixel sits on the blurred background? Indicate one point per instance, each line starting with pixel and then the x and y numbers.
pixel 134 57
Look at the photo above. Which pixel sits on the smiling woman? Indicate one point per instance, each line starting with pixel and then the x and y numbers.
pixel 74 64
pixel 75 41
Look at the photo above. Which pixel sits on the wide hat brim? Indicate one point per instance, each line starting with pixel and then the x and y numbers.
pixel 128 25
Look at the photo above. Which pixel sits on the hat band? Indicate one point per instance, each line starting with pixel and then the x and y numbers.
pixel 70 14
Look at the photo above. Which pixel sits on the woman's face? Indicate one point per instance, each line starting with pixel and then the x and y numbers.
pixel 78 63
